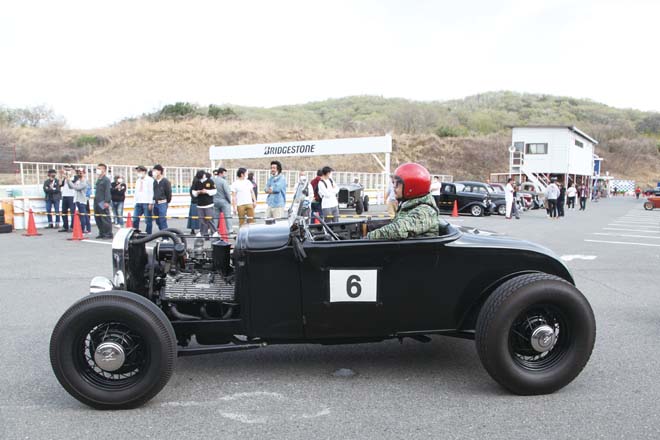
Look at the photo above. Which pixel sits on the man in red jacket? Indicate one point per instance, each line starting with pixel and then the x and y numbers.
pixel 316 201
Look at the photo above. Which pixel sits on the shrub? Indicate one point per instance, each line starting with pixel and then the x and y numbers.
pixel 179 110
pixel 217 112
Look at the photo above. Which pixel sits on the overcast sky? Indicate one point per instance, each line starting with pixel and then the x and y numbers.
pixel 98 62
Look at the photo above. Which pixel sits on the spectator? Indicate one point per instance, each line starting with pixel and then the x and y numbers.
pixel 53 196
pixel 638 191
pixel 614 192
pixel 80 185
pixel 276 190
pixel 508 197
pixel 243 199
pixel 571 192
pixel 561 200
pixel 328 191
pixel 254 184
pixel 144 199
pixel 390 198
pixel 583 193
pixel 551 194
pixel 435 189
pixel 102 202
pixel 68 204
pixel 203 188
pixel 316 199
pixel 118 194
pixel 193 214
pixel 162 196
pixel 514 205
pixel 222 198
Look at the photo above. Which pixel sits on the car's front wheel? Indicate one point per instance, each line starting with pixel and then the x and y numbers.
pixel 113 350
pixel 476 211
pixel 501 210
pixel 535 334
pixel 648 206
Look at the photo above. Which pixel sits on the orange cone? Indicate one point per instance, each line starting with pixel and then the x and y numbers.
pixel 129 221
pixel 77 228
pixel 454 212
pixel 32 227
pixel 316 218
pixel 222 227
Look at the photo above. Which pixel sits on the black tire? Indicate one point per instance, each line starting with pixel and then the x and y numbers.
pixel 125 318
pixel 476 210
pixel 2 219
pixel 501 210
pixel 498 337
pixel 6 229
pixel 366 203
pixel 648 206
pixel 359 206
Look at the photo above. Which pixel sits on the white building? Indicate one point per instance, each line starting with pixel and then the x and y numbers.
pixel 540 152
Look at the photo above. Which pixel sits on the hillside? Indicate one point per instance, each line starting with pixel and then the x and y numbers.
pixel 466 138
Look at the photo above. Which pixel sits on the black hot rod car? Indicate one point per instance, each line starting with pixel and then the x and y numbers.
pixel 294 282
pixel 352 195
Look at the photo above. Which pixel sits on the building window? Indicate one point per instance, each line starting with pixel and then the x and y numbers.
pixel 536 149
pixel 579 144
pixel 519 146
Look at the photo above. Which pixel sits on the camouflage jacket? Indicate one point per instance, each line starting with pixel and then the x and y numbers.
pixel 416 217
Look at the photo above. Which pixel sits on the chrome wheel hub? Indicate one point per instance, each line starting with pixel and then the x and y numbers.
pixel 109 356
pixel 543 338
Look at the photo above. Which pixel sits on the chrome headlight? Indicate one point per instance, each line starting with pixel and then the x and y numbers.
pixel 100 284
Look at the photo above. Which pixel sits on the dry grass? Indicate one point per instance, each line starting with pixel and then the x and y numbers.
pixel 185 143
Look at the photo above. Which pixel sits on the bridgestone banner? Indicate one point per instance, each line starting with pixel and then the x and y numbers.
pixel 326 147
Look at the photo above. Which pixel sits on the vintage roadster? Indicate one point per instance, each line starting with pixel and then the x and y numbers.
pixel 293 282
pixel 352 195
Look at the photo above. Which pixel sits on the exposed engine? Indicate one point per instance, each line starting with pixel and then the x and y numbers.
pixel 189 283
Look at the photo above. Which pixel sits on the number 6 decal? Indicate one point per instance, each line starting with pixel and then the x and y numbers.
pixel 347 285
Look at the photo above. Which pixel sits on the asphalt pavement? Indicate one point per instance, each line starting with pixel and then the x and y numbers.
pixel 385 390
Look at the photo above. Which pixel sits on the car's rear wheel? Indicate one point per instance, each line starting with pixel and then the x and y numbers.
pixel 501 210
pixel 476 211
pixel 648 206
pixel 535 334
pixel 113 350
pixel 366 203
pixel 359 206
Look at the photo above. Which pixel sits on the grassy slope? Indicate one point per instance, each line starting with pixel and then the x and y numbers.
pixel 628 138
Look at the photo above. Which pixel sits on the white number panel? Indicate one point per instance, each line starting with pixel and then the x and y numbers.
pixel 349 285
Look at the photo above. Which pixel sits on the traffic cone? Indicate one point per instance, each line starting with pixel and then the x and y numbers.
pixel 32 227
pixel 454 212
pixel 222 227
pixel 129 221
pixel 77 228
pixel 316 218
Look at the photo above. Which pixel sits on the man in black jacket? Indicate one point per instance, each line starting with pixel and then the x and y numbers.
pixel 102 200
pixel 162 196
pixel 53 196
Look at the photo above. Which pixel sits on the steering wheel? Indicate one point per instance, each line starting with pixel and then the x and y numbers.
pixel 327 228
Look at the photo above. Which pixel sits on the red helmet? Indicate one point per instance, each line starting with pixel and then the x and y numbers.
pixel 415 178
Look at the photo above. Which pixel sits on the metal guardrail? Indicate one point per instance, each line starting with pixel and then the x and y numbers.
pixel 34 173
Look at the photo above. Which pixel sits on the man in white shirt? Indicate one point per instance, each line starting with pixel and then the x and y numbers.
pixel 571 192
pixel 508 197
pixel 144 198
pixel 551 195
pixel 243 200
pixel 67 198
pixel 328 191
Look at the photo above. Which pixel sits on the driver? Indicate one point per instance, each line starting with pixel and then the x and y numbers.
pixel 417 215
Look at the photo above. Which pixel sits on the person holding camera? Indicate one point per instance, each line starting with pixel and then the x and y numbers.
pixel 118 194
pixel 53 195
pixel 80 185
pixel 68 205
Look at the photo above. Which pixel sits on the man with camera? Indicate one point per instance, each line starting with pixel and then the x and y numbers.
pixel 53 195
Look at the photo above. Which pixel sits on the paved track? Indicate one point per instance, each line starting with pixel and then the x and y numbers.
pixel 436 390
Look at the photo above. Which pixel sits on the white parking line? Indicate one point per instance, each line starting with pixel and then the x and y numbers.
pixel 623 242
pixel 639 225
pixel 632 230
pixel 97 242
pixel 577 257
pixel 627 235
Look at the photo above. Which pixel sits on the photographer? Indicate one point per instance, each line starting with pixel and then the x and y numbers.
pixel 80 185
pixel 53 196
pixel 68 204
pixel 118 194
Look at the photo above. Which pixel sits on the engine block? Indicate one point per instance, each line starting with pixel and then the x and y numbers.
pixel 197 286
